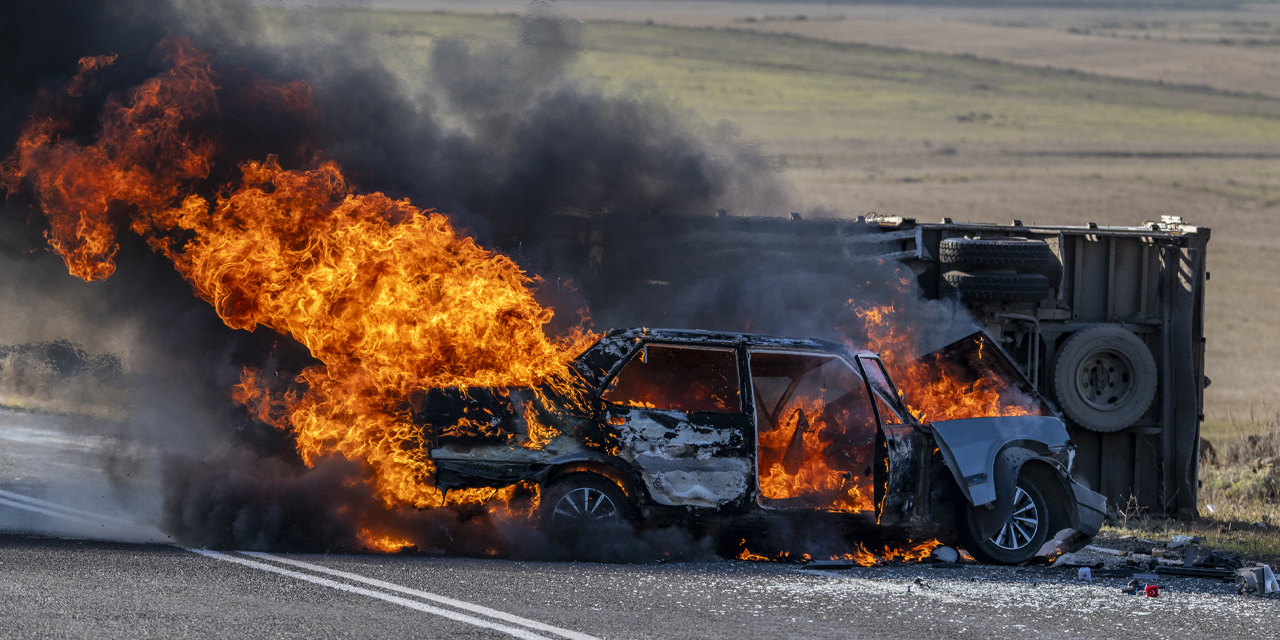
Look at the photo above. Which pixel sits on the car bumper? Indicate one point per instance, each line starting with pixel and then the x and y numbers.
pixel 1092 508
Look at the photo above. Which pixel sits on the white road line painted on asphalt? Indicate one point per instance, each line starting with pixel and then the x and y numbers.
pixel 426 595
pixel 49 512
pixel 53 505
pixel 404 602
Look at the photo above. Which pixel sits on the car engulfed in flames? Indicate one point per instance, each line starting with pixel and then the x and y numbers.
pixel 761 441
pixel 770 444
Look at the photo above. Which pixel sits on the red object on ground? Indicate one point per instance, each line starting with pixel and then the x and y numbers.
pixel 1153 591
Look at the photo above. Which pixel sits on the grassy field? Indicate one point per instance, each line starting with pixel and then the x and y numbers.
pixel 862 128
pixel 1239 496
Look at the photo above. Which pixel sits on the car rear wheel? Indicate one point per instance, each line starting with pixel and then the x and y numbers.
pixel 583 500
pixel 1019 537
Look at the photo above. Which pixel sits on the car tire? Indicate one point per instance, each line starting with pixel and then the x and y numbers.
pixel 998 287
pixel 1013 543
pixel 994 253
pixel 581 501
pixel 1104 378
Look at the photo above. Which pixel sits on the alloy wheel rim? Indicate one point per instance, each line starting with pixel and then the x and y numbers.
pixel 1023 524
pixel 584 504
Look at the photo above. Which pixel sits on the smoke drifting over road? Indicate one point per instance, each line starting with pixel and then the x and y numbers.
pixel 497 135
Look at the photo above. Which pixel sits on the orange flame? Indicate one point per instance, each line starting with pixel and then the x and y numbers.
pixel 934 390
pixel 386 295
pixel 862 557
pixel 381 542
pixel 836 489
pixel 859 555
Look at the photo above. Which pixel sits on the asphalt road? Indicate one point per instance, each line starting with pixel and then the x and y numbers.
pixel 69 579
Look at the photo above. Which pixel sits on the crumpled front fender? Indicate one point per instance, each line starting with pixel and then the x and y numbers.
pixel 986 456
pixel 971 446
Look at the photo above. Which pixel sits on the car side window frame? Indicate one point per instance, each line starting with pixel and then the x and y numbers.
pixel 642 347
pixel 749 382
pixel 894 404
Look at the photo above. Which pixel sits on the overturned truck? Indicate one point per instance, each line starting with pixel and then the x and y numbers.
pixel 773 442
pixel 1106 323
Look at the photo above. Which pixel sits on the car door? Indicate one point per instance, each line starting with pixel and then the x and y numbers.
pixel 897 478
pixel 677 413
pixel 815 432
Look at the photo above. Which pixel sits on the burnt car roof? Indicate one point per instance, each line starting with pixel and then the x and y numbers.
pixel 710 337
pixel 597 361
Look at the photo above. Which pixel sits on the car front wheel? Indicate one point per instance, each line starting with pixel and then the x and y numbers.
pixel 1020 537
pixel 582 500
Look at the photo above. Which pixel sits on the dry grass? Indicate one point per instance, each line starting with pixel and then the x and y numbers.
pixel 1240 492
pixel 1181 53
pixel 1227 46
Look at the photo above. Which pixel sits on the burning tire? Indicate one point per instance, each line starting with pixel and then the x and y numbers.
pixel 582 500
pixel 1104 378
pixel 1020 537
pixel 994 253
pixel 999 287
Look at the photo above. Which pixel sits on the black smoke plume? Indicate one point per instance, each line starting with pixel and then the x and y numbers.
pixel 505 137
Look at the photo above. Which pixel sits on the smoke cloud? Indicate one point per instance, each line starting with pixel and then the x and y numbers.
pixel 238 500
pixel 503 136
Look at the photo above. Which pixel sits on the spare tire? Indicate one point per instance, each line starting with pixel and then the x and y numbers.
pixel 999 287
pixel 994 253
pixel 1104 378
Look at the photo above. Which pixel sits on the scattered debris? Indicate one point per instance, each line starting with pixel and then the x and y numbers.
pixel 1257 580
pixel 1215 561
pixel 1112 552
pixel 1195 572
pixel 830 565
pixel 945 554
pixel 1061 542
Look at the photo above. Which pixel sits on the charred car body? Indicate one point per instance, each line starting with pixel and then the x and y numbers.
pixel 765 439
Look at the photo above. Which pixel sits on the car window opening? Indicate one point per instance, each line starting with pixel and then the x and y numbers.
pixel 674 378
pixel 816 433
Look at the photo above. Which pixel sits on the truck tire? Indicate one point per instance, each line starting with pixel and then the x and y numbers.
pixel 1021 536
pixel 581 501
pixel 999 287
pixel 1104 378
pixel 994 253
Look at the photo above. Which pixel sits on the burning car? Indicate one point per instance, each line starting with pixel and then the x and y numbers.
pixel 770 439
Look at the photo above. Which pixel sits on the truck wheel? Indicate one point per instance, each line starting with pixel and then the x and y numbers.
pixel 1022 534
pixel 999 287
pixel 1104 378
pixel 583 500
pixel 994 253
